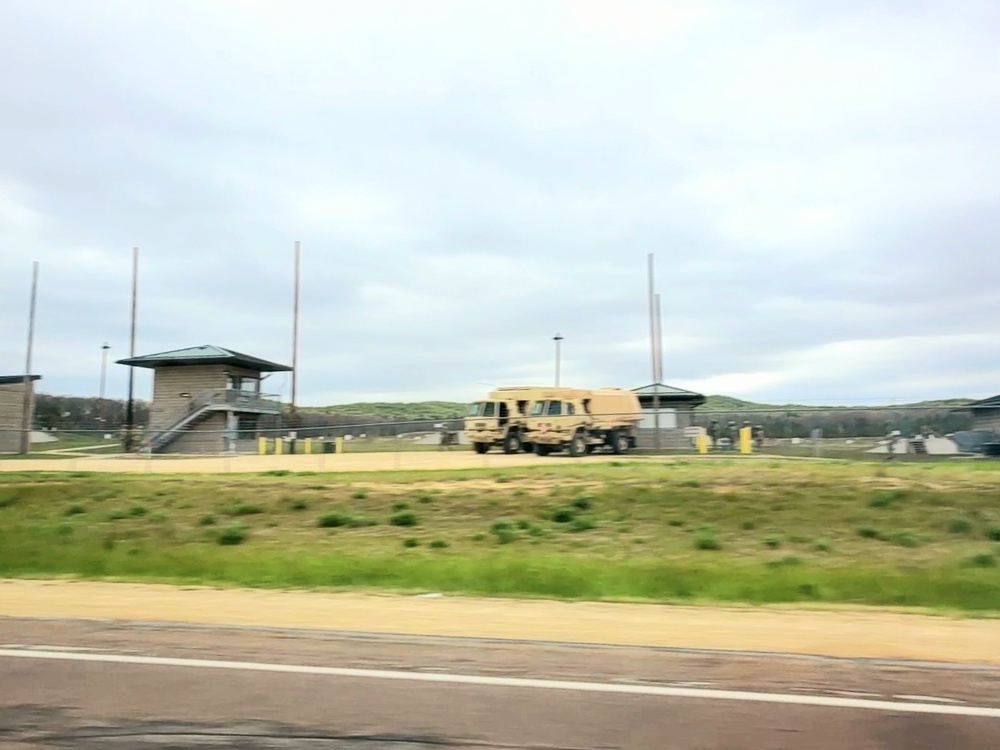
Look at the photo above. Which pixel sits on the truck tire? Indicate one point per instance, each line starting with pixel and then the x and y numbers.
pixel 481 448
pixel 542 450
pixel 620 442
pixel 512 442
pixel 578 444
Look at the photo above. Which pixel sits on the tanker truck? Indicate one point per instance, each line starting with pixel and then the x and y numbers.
pixel 499 419
pixel 584 421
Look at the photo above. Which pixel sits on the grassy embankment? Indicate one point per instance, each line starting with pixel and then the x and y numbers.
pixel 713 531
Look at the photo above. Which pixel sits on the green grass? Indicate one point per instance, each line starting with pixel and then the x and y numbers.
pixel 784 531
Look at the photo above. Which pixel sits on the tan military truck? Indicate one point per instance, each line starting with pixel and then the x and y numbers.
pixel 499 419
pixel 585 421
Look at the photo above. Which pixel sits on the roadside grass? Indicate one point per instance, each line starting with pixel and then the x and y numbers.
pixel 785 531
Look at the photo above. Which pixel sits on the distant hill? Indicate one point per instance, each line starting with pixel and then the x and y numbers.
pixel 399 411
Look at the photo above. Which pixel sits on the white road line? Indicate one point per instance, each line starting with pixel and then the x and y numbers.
pixel 515 682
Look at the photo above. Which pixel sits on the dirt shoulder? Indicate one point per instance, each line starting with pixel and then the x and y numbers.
pixel 864 634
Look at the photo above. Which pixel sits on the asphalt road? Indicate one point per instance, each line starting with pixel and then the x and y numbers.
pixel 91 684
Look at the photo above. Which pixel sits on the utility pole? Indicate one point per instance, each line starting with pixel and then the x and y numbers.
pixel 558 339
pixel 27 411
pixel 295 334
pixel 128 441
pixel 654 350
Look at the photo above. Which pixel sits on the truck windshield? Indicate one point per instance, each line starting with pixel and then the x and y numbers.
pixel 475 409
pixel 554 409
pixel 538 408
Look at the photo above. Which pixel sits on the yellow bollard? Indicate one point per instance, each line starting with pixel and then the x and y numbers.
pixel 262 446
pixel 745 444
pixel 339 443
pixel 279 446
pixel 702 443
pixel 307 445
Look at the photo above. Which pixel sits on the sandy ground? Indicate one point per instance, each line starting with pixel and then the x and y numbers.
pixel 345 462
pixel 826 633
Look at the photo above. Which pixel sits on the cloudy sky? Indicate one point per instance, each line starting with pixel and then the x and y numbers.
pixel 819 183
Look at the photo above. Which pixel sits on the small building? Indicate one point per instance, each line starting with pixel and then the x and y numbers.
pixel 12 427
pixel 207 399
pixel 985 414
pixel 672 408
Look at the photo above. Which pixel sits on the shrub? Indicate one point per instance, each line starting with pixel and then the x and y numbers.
pixel 333 520
pixel 360 494
pixel 358 522
pixel 138 510
pixel 676 522
pixel 993 533
pixel 887 498
pixel 411 543
pixel 159 517
pixel 277 473
pixel 563 515
pixel 869 532
pixel 905 539
pixel 583 502
pixel 960 526
pixel 535 530
pixel 424 498
pixel 690 483
pixel 208 520
pixel 983 560
pixel 707 541
pixel 244 509
pixel 439 544
pixel 748 525
pixel 300 504
pixel 523 524
pixel 502 525
pixel 822 546
pixel 478 537
pixel 582 523
pixel 773 541
pixel 400 506
pixel 118 514
pixel 75 510
pixel 404 518
pixel 502 480
pixel 234 533
pixel 505 536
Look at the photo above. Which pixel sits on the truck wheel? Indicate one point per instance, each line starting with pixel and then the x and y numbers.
pixel 542 450
pixel 481 448
pixel 620 443
pixel 577 445
pixel 512 443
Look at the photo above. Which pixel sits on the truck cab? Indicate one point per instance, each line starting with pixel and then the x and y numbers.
pixel 498 421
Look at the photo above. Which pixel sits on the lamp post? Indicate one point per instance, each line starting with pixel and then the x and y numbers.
pixel 104 368
pixel 558 339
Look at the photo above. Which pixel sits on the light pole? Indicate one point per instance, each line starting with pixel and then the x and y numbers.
pixel 558 339
pixel 104 367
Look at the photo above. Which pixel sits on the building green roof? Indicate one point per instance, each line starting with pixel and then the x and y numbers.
pixel 204 355
pixel 15 379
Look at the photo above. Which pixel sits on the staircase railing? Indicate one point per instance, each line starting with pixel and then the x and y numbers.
pixel 212 400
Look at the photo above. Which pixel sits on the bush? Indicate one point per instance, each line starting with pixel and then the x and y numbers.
pixel 869 532
pixel 117 514
pixel 707 541
pixel 244 509
pixel 676 522
pixel 439 544
pixel 208 520
pixel 360 494
pixel 138 510
pixel 75 510
pixel 277 473
pixel 748 525
pixel 535 530
pixel 822 546
pixel 358 522
pixel 411 543
pixel 582 523
pixel 887 498
pixel 563 515
pixel 502 525
pixel 502 480
pixel 983 560
pixel 691 483
pixel 333 520
pixel 404 518
pixel 234 533
pixel 993 533
pixel 583 502
pixel 960 526
pixel 523 524
pixel 505 536
pixel 400 506
pixel 300 504
pixel 773 541
pixel 905 539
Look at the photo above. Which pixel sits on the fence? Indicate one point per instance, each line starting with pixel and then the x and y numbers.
pixel 873 433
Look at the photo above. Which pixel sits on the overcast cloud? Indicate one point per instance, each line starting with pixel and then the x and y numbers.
pixel 819 182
